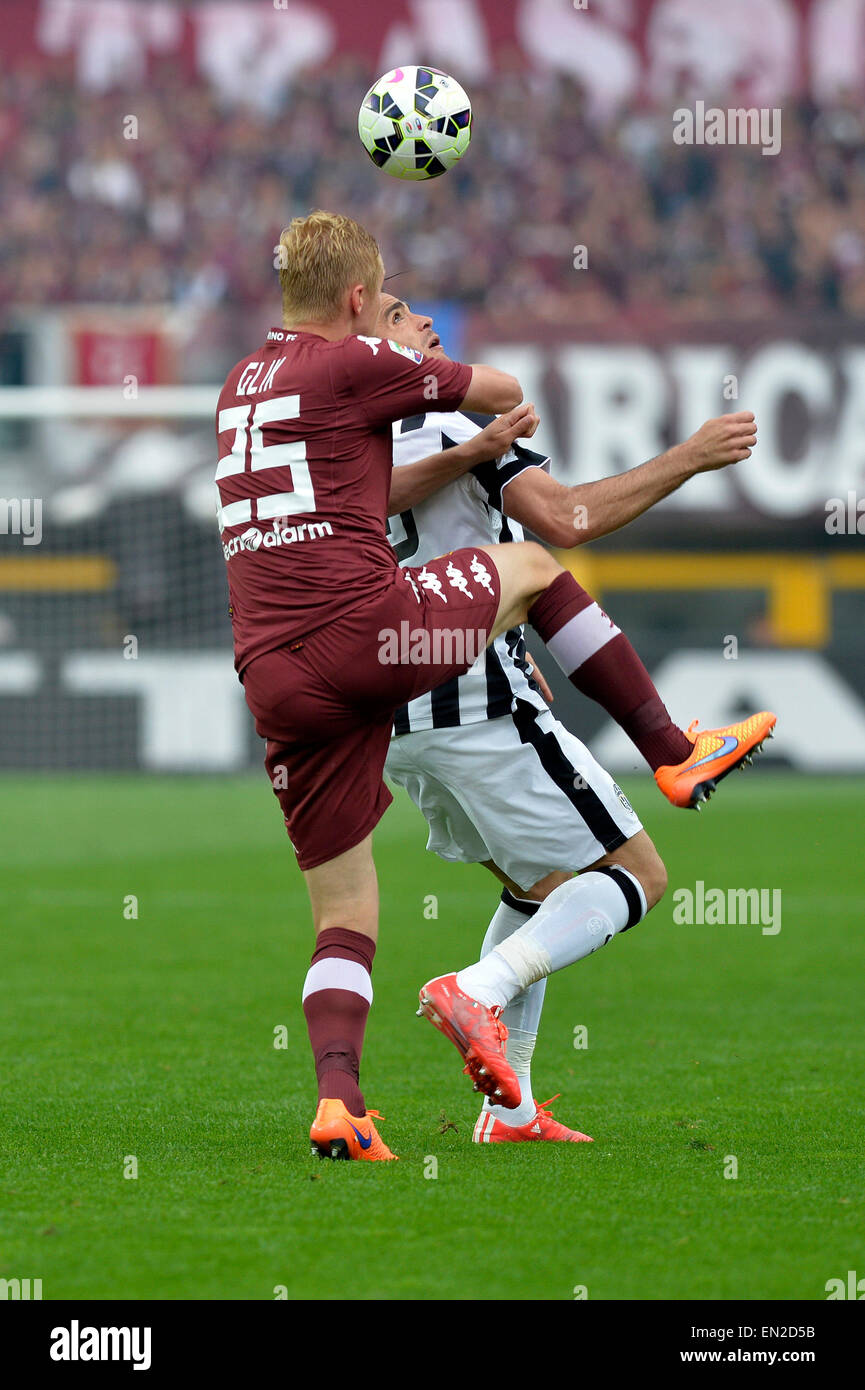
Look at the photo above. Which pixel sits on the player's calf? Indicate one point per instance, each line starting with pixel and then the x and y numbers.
pixel 593 653
pixel 337 992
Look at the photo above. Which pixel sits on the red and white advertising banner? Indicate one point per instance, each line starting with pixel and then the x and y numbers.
pixel 612 397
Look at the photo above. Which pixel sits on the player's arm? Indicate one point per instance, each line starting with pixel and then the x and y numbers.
pixel 388 381
pixel 569 516
pixel 491 391
pixel 412 483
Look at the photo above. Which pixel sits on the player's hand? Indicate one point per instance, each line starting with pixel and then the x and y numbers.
pixel 494 441
pixel 537 675
pixel 717 443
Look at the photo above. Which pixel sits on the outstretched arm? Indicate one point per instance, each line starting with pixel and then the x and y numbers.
pixel 570 516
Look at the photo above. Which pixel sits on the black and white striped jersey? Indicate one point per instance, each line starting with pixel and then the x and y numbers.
pixel 462 513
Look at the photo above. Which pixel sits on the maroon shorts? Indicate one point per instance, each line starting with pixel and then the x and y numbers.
pixel 325 703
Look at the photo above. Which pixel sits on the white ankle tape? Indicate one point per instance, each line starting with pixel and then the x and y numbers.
pixel 528 960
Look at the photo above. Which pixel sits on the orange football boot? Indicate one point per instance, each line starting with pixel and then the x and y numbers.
pixel 337 1134
pixel 491 1130
pixel 715 753
pixel 477 1033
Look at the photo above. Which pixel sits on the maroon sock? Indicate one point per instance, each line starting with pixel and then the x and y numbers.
pixel 337 995
pixel 599 660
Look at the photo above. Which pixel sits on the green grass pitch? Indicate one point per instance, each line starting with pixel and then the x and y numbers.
pixel 153 1037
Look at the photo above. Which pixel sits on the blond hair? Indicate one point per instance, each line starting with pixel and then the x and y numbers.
pixel 320 257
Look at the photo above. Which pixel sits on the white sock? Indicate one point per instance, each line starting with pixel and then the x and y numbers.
pixel 524 1010
pixel 523 1013
pixel 525 1111
pixel 576 919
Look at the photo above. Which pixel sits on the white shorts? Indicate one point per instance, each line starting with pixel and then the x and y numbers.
pixel 520 790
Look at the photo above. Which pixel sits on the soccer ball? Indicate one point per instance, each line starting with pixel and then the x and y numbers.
pixel 415 123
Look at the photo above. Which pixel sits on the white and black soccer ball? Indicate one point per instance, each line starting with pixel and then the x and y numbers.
pixel 415 123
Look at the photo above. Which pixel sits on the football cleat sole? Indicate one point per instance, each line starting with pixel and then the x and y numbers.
pixel 751 734
pixel 335 1149
pixel 336 1134
pixel 704 790
pixel 493 1076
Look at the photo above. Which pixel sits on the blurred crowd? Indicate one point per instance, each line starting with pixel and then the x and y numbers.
pixel 188 211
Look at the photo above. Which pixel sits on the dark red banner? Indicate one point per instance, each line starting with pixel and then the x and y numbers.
pixel 621 50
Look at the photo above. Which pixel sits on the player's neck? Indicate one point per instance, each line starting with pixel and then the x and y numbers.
pixel 332 331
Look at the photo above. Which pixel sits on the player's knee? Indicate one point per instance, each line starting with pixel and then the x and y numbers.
pixel 639 856
pixel 653 878
pixel 540 567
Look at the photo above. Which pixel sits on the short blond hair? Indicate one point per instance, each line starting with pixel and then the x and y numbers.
pixel 320 257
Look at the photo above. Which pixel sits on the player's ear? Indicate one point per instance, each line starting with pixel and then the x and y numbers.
pixel 358 299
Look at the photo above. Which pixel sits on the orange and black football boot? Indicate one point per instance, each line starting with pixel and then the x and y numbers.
pixel 715 753
pixel 337 1134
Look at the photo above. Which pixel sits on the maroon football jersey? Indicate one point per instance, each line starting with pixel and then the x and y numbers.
pixel 304 444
